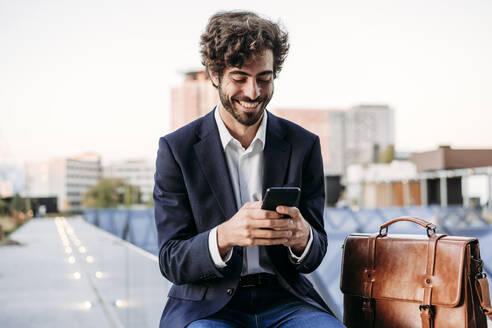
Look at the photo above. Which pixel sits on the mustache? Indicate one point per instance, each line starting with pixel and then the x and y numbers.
pixel 248 99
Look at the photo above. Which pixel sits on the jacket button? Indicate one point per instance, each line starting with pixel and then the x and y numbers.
pixel 230 291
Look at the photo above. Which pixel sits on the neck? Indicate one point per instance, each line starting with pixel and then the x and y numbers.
pixel 242 133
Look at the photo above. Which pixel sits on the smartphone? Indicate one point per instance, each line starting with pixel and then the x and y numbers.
pixel 276 196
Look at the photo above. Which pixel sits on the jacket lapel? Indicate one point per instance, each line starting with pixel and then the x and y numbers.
pixel 276 155
pixel 211 159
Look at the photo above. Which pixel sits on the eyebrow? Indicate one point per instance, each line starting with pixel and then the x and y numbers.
pixel 238 72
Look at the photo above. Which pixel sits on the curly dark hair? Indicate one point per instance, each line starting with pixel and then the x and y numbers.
pixel 233 37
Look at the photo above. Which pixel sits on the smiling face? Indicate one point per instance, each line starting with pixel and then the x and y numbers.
pixel 245 91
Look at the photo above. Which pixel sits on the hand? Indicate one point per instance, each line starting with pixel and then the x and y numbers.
pixel 252 226
pixel 299 228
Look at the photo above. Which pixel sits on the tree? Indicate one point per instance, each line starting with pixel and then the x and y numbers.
pixel 131 195
pixel 111 192
pixel 20 204
pixel 150 201
pixel 387 155
pixel 5 208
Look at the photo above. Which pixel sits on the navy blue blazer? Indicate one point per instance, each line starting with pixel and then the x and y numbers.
pixel 193 194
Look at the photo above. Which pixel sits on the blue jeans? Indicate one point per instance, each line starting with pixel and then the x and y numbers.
pixel 270 307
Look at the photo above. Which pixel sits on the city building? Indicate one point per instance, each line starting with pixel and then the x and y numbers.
pixel 67 179
pixel 360 134
pixel 194 98
pixel 6 189
pixel 329 125
pixel 370 134
pixel 38 180
pixel 443 177
pixel 378 185
pixel 446 158
pixel 138 172
pixel 456 176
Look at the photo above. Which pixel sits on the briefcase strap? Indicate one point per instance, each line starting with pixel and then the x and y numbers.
pixel 368 283
pixel 427 316
pixel 482 287
pixel 426 310
pixel 368 309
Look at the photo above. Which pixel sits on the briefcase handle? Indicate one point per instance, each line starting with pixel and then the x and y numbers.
pixel 431 228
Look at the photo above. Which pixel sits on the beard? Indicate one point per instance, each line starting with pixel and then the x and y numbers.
pixel 245 118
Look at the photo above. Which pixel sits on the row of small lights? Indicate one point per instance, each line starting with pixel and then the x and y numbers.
pixel 64 229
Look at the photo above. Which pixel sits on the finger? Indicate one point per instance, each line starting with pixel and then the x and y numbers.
pixel 267 242
pixel 276 224
pixel 291 242
pixel 251 205
pixel 259 214
pixel 288 243
pixel 271 234
pixel 293 212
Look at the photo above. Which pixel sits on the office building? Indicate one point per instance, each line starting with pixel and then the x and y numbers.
pixel 67 179
pixel 329 125
pixel 370 134
pixel 194 98
pixel 138 173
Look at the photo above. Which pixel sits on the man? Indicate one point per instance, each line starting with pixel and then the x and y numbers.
pixel 233 264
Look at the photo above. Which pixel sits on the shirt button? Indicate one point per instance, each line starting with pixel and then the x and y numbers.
pixel 230 291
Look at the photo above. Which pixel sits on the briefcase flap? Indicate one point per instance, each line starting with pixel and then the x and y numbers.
pixel 400 264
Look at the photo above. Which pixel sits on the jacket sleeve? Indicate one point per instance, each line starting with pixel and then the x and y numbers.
pixel 184 255
pixel 311 206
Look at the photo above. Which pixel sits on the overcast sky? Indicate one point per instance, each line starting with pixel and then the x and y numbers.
pixel 96 75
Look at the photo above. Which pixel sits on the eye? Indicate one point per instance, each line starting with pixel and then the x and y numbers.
pixel 239 80
pixel 264 78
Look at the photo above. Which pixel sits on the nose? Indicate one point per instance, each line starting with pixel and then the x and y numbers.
pixel 252 90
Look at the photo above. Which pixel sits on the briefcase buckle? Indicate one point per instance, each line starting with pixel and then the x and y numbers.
pixel 426 307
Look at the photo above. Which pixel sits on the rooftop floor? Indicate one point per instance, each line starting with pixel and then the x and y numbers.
pixel 68 273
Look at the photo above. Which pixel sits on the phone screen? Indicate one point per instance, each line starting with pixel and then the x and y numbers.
pixel 276 196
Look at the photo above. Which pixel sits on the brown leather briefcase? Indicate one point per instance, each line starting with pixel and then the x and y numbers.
pixel 413 281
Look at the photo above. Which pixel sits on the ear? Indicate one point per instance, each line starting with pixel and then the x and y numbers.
pixel 213 77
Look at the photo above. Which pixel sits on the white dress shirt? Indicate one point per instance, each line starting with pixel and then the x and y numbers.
pixel 246 172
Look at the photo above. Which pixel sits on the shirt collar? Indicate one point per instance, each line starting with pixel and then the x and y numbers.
pixel 225 136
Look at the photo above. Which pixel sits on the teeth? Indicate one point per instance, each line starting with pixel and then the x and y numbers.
pixel 248 104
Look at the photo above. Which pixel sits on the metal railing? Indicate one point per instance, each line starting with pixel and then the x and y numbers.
pixel 134 226
pixel 138 228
